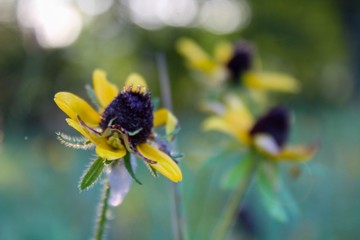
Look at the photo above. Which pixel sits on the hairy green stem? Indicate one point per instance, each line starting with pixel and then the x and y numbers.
pixel 179 221
pixel 101 222
pixel 227 219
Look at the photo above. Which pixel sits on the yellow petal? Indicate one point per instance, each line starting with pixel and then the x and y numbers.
pixel 195 55
pixel 102 148
pixel 165 117
pixel 85 132
pixel 297 153
pixel 237 113
pixel 223 52
pixel 104 90
pixel 135 81
pixel 75 106
pixel 271 82
pixel 221 125
pixel 109 153
pixel 164 164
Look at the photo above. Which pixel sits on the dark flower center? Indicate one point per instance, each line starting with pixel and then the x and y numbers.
pixel 131 110
pixel 276 123
pixel 241 61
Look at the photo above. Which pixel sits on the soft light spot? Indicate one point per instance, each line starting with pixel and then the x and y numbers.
pixel 224 16
pixel 56 23
pixel 94 7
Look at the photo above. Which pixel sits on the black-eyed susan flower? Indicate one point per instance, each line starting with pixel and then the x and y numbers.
pixel 123 125
pixel 234 63
pixel 268 134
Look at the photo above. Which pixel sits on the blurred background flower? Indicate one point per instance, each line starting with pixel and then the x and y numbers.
pixel 47 46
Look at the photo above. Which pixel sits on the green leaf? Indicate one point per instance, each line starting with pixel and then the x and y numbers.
pixel 129 168
pixel 222 154
pixel 268 183
pixel 92 174
pixel 238 173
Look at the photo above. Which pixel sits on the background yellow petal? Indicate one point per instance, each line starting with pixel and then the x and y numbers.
pixel 220 124
pixel 271 82
pixel 196 57
pixel 135 80
pixel 104 90
pixel 297 153
pixel 223 52
pixel 165 117
pixel 110 153
pixel 164 164
pixel 75 106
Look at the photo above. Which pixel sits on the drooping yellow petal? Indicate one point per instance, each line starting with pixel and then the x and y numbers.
pixel 104 90
pixel 165 117
pixel 195 55
pixel 223 52
pixel 164 164
pixel 296 153
pixel 266 81
pixel 109 153
pixel 75 106
pixel 136 81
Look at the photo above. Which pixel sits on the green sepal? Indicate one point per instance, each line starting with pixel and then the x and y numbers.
pixel 91 93
pixel 176 155
pixel 152 170
pixel 269 186
pixel 170 136
pixel 129 168
pixel 238 173
pixel 135 132
pixel 91 175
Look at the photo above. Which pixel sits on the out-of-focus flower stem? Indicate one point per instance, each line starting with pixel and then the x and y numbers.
pixel 101 221
pixel 179 221
pixel 234 204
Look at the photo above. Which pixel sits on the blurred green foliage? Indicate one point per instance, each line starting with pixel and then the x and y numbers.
pixel 39 198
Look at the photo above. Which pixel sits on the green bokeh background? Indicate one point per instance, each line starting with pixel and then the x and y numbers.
pixel 313 40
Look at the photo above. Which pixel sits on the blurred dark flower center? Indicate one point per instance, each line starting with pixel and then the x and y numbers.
pixel 131 110
pixel 241 60
pixel 275 123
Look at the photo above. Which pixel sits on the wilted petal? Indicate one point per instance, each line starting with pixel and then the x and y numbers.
pixel 75 106
pixel 120 181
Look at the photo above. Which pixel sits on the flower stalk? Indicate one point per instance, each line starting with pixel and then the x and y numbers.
pixel 179 221
pixel 234 204
pixel 101 222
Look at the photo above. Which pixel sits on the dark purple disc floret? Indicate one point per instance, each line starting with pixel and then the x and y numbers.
pixel 131 110
pixel 241 60
pixel 276 123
